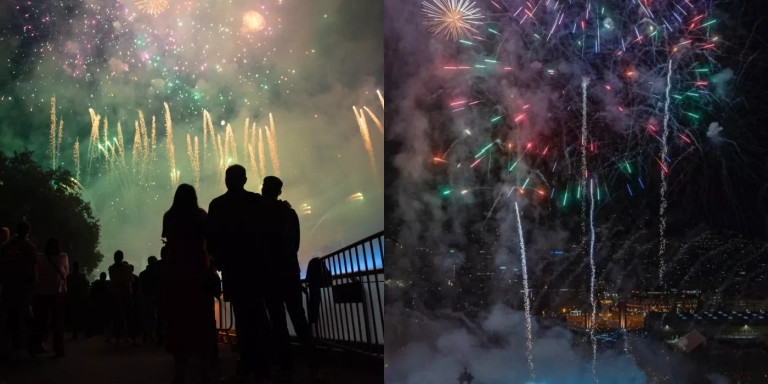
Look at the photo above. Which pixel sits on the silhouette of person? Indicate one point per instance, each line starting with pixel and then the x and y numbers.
pixel 77 296
pixel 318 277
pixel 99 301
pixel 189 315
pixel 233 242
pixel 50 296
pixel 134 309
pixel 18 275
pixel 150 280
pixel 162 265
pixel 120 276
pixel 281 244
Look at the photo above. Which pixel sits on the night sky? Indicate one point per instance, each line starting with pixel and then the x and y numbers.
pixel 306 63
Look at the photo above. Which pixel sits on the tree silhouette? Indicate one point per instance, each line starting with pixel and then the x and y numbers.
pixel 50 201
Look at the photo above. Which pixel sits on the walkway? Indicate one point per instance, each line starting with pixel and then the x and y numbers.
pixel 94 361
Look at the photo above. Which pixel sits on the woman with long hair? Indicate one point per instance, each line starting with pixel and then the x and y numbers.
pixel 189 311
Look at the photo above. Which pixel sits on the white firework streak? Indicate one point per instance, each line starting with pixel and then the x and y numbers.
pixel 664 171
pixel 584 170
pixel 592 298
pixel 527 301
pixel 453 19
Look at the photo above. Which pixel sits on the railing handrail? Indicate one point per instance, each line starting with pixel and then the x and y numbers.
pixel 354 322
pixel 355 244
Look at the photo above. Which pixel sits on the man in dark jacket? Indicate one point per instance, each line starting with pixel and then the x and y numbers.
pixel 281 242
pixel 232 240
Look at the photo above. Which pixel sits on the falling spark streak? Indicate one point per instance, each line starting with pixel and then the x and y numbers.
pixel 58 140
pixel 52 138
pixel 527 301
pixel 77 158
pixel 592 298
pixel 273 153
pixel 252 158
pixel 375 120
pixel 262 162
pixel 664 173
pixel 273 144
pixel 381 98
pixel 120 144
pixel 136 150
pixel 361 122
pixel 169 143
pixel 584 171
pixel 93 143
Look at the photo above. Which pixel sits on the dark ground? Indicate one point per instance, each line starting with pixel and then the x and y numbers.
pixel 94 361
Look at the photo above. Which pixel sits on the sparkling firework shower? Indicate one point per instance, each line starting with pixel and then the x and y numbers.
pixel 620 53
pixel 452 19
pixel 526 297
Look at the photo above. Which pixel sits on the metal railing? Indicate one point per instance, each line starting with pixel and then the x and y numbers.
pixel 350 313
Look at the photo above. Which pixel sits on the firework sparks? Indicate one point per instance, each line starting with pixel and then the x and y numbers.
pixel 52 139
pixel 452 19
pixel 152 7
pixel 527 299
pixel 363 125
pixel 253 22
pixel 664 172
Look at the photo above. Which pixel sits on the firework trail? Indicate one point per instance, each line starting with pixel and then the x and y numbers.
pixel 93 143
pixel 58 140
pixel 77 158
pixel 527 301
pixel 120 144
pixel 136 149
pixel 52 139
pixel 254 165
pixel 361 122
pixel 153 143
pixel 584 169
pixel 273 153
pixel 169 143
pixel 375 120
pixel 592 277
pixel 452 19
pixel 272 138
pixel 194 159
pixel 262 165
pixel 664 172
pixel 381 98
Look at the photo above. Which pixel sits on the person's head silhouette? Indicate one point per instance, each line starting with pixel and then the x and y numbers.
pixel 151 260
pixel 185 199
pixel 234 177
pixel 118 256
pixel 22 230
pixel 271 187
pixel 103 276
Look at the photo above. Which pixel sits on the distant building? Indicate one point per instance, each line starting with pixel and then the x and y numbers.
pixel 724 326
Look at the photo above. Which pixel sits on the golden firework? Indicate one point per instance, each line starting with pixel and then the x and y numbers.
pixel 453 19
pixel 152 7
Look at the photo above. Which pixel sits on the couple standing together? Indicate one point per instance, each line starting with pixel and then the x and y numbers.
pixel 253 240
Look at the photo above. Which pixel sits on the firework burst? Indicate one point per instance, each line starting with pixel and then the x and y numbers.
pixel 152 7
pixel 452 19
